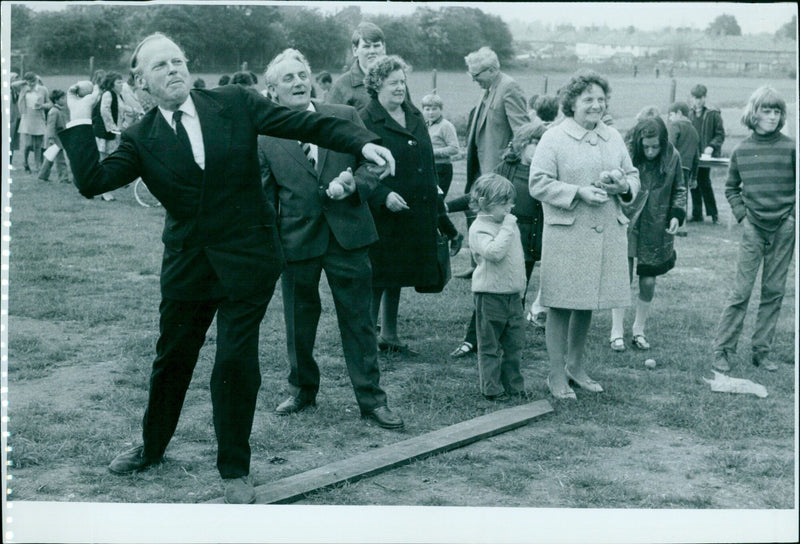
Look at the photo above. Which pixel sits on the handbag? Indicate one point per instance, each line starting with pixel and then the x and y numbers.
pixel 443 265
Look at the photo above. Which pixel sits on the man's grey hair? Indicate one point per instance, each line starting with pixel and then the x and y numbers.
pixel 483 58
pixel 287 54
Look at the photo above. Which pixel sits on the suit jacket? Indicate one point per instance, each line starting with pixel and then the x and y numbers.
pixel 307 216
pixel 491 128
pixel 712 132
pixel 219 224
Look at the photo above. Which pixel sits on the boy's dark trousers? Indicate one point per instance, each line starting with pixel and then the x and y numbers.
pixel 500 326
pixel 704 192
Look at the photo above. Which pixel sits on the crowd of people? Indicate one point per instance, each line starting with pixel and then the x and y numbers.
pixel 259 186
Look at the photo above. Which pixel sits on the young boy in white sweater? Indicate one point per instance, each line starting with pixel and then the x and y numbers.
pixel 497 285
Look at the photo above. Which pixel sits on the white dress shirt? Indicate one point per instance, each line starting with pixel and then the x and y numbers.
pixel 191 122
pixel 313 152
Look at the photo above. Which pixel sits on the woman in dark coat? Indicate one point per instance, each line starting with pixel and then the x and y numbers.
pixel 404 206
pixel 656 214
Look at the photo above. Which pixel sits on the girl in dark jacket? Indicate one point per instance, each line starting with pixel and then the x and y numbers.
pixel 656 214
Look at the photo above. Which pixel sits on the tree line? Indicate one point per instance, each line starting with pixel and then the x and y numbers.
pixel 220 37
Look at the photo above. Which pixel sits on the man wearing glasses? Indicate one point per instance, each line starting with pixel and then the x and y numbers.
pixel 500 113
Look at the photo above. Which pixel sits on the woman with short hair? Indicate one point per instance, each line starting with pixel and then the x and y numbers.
pixel 582 173
pixel 404 205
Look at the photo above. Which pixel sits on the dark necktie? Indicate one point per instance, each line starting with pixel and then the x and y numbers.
pixel 307 151
pixel 180 132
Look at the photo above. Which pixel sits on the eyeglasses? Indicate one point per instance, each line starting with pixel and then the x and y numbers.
pixel 475 75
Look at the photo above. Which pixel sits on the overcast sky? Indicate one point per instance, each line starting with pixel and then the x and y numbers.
pixel 752 17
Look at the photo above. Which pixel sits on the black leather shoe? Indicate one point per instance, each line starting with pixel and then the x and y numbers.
pixel 401 349
pixel 384 417
pixel 293 405
pixel 130 461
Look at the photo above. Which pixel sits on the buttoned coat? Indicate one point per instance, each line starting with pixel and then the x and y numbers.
pixel 405 255
pixel 584 248
pixel 306 215
pixel 218 221
pixel 493 126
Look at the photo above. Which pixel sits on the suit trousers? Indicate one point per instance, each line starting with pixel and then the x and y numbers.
pixel 704 192
pixel 349 276
pixel 775 250
pixel 235 378
pixel 500 326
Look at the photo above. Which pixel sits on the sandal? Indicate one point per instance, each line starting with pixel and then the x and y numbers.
pixel 639 341
pixel 618 344
pixel 462 351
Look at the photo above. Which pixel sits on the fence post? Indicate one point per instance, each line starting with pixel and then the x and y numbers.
pixel 91 68
pixel 434 80
pixel 545 85
pixel 672 93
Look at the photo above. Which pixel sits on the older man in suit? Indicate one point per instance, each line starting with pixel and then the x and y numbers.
pixel 493 123
pixel 324 224
pixel 197 154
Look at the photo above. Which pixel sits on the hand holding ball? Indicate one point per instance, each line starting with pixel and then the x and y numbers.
pixel 82 88
pixel 335 190
pixel 80 99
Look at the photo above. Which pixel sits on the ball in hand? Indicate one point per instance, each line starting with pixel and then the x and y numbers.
pixel 82 88
pixel 335 190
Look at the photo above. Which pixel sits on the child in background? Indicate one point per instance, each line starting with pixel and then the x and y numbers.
pixel 497 285
pixel 657 212
pixel 685 139
pixel 57 119
pixel 547 110
pixel 445 146
pixel 761 190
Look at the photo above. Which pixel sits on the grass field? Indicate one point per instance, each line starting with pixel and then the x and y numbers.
pixel 82 328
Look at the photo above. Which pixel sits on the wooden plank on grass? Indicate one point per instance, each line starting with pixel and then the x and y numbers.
pixel 374 462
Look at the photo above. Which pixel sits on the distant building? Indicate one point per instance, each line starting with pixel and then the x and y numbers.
pixel 743 53
pixel 688 49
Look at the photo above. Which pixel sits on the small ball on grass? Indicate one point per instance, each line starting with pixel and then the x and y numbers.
pixel 650 363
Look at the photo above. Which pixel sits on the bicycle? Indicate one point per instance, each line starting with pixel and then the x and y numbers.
pixel 143 195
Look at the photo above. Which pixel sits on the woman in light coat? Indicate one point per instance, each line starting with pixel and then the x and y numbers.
pixel 581 172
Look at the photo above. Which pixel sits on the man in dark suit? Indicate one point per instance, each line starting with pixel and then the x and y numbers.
pixel 324 224
pixel 197 154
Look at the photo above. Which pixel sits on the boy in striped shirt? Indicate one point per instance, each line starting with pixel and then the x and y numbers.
pixel 761 191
